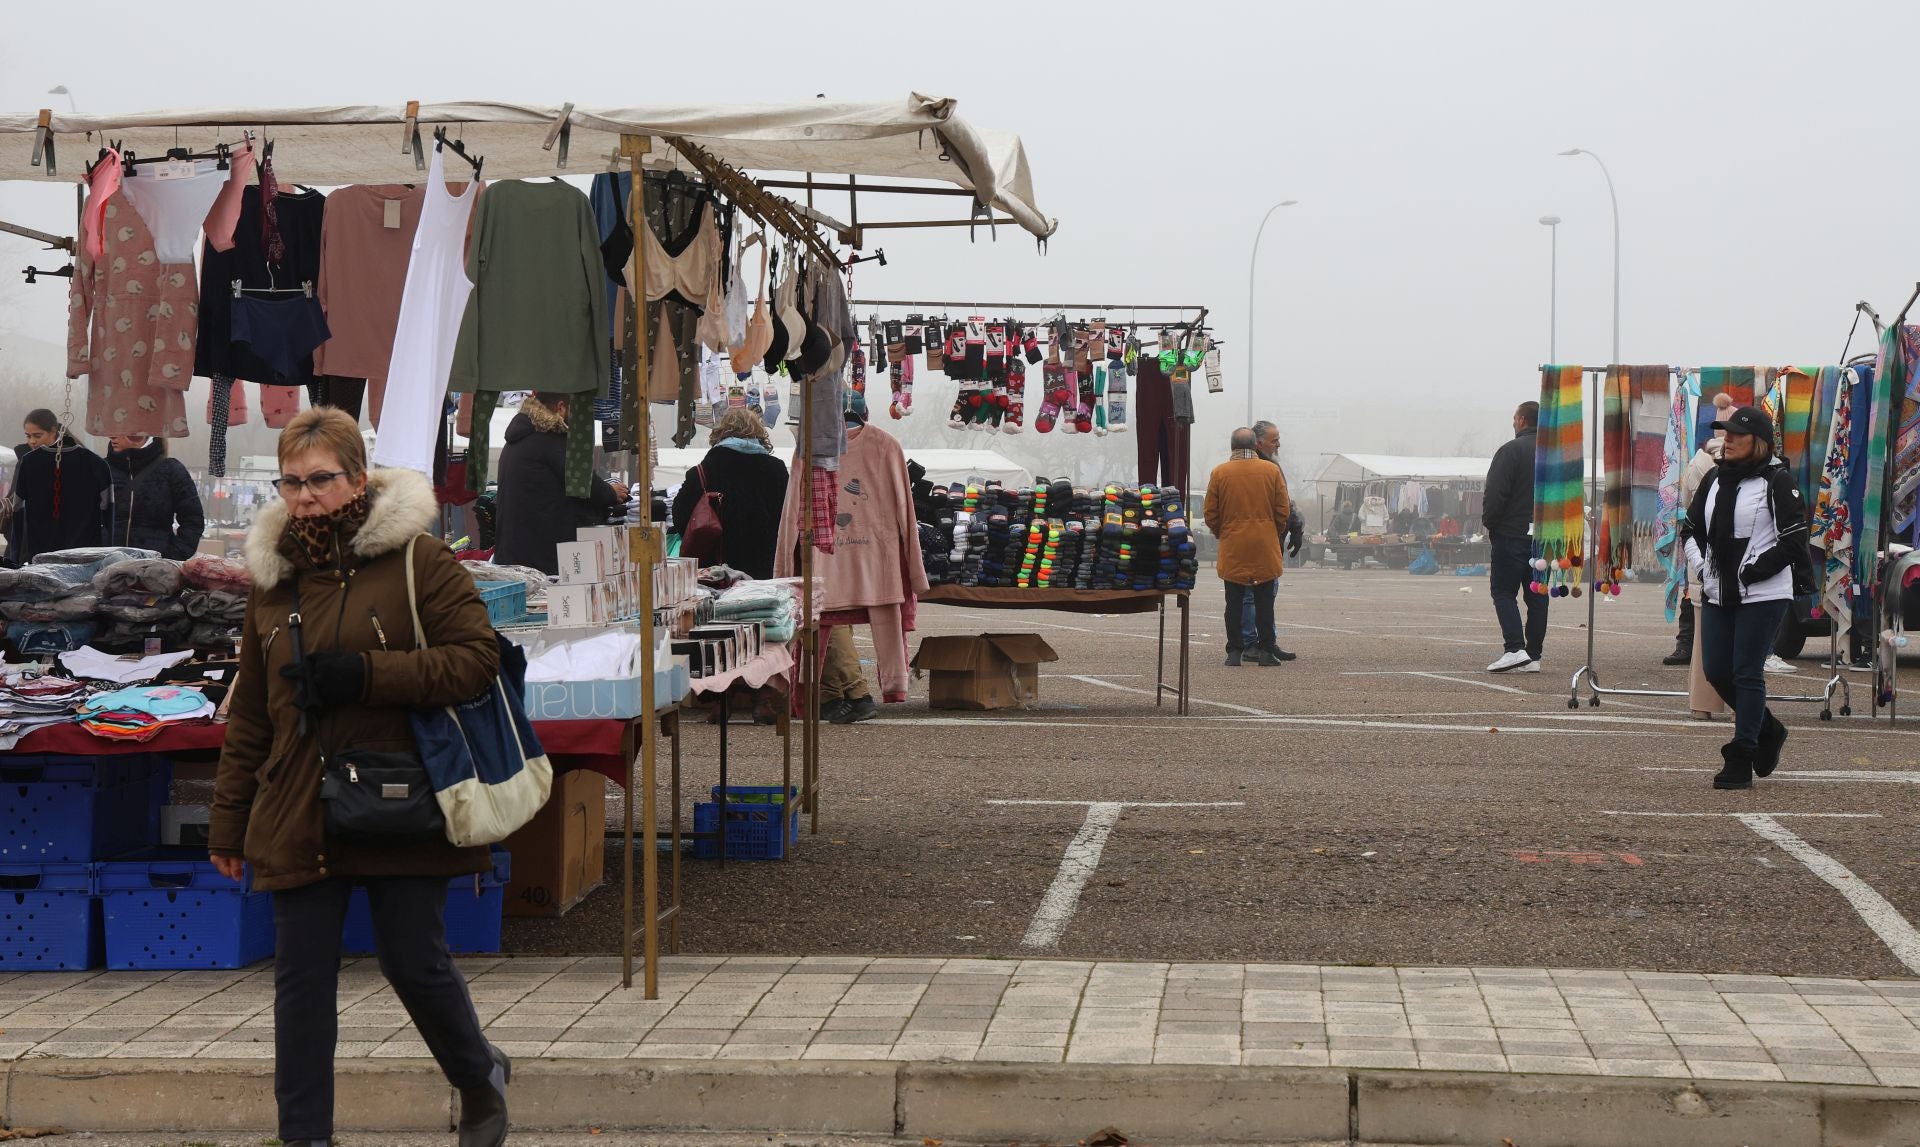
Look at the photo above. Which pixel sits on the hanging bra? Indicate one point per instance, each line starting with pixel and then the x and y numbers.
pixel 690 275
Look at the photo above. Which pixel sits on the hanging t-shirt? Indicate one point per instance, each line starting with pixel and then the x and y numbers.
pixel 431 304
pixel 365 245
pixel 266 357
pixel 175 206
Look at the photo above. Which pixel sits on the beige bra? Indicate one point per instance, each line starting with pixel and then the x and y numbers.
pixel 693 276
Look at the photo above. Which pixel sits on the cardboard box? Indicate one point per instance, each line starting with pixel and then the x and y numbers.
pixel 560 855
pixel 991 671
pixel 581 563
pixel 609 547
pixel 574 606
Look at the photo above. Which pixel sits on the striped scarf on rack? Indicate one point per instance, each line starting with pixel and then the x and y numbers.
pixel 1889 382
pixel 1673 463
pixel 1826 391
pixel 1906 433
pixel 1735 381
pixel 1558 526
pixel 1651 388
pixel 1615 552
pixel 1790 404
pixel 1832 521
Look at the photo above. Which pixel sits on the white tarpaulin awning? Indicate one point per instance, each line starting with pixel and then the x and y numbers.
pixel 919 138
pixel 1389 467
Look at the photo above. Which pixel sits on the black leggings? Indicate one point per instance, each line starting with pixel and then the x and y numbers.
pixel 409 925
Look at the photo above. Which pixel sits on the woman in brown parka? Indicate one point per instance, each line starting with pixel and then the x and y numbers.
pixel 341 534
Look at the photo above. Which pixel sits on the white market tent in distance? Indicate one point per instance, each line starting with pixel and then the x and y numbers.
pixel 920 138
pixel 1341 468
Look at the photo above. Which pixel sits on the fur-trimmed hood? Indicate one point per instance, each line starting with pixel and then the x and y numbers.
pixel 400 506
pixel 542 418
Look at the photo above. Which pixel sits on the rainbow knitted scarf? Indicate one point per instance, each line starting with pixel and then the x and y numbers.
pixel 1906 433
pixel 1889 382
pixel 1615 553
pixel 1559 530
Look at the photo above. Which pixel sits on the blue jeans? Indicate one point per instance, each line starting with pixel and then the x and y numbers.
pixel 1734 643
pixel 1257 599
pixel 1510 572
pixel 1250 624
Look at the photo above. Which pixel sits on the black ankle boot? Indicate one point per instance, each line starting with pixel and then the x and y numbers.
pixel 483 1110
pixel 1681 655
pixel 1736 773
pixel 1233 658
pixel 1773 738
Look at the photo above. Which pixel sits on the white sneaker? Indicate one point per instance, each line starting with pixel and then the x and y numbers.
pixel 1775 664
pixel 1529 667
pixel 1510 661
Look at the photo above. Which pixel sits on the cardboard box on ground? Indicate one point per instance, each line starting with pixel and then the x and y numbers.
pixel 991 671
pixel 560 855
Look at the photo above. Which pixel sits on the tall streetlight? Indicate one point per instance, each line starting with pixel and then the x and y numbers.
pixel 61 90
pixel 1552 224
pixel 1615 201
pixel 1253 325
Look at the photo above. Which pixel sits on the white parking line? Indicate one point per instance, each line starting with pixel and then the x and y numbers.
pixel 1082 857
pixel 1191 700
pixel 1432 676
pixel 1888 777
pixel 1874 910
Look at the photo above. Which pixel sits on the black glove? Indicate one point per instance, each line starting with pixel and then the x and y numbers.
pixel 328 680
pixel 1296 537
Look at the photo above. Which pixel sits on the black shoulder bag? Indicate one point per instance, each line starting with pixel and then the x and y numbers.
pixel 369 796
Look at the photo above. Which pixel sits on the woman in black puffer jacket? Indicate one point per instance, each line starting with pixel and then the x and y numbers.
pixel 155 505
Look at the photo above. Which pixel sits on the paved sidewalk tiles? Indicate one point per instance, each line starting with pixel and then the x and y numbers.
pixel 1527 1020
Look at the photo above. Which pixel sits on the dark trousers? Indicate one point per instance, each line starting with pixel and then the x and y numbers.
pixel 410 931
pixel 1734 643
pixel 1683 639
pixel 1261 598
pixel 1510 573
pixel 1160 441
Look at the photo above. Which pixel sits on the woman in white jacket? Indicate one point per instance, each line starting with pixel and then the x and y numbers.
pixel 1746 543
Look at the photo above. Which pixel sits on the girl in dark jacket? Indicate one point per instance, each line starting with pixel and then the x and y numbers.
pixel 155 505
pixel 1746 543
pixel 752 486
pixel 59 491
pixel 531 507
pixel 339 537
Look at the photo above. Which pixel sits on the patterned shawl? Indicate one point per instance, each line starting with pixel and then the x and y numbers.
pixel 1673 463
pixel 1889 384
pixel 1615 552
pixel 1826 391
pixel 1736 381
pixel 1559 529
pixel 1906 433
pixel 1832 520
pixel 1791 403
pixel 1651 407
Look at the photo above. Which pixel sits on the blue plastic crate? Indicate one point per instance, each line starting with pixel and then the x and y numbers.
pixel 475 905
pixel 49 919
pixel 56 808
pixel 506 601
pixel 181 914
pixel 753 825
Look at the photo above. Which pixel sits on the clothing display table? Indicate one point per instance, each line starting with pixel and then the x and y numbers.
pixel 1087 601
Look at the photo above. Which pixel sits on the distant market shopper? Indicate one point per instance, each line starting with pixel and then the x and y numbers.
pixel 59 492
pixel 748 483
pixel 1746 542
pixel 532 511
pixel 155 504
pixel 336 549
pixel 1507 512
pixel 1266 442
pixel 1246 509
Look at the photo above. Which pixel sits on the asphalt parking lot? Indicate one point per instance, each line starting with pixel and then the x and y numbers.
pixel 1380 800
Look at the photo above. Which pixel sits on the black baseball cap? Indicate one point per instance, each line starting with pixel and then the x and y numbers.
pixel 1748 420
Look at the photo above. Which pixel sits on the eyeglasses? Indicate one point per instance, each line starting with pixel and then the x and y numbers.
pixel 320 481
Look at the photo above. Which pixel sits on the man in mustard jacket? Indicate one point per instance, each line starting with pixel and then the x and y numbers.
pixel 1246 510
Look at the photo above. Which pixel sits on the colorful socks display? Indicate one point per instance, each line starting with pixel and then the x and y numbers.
pixel 1053 536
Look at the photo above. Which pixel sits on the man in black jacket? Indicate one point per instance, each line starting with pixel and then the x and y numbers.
pixel 1508 513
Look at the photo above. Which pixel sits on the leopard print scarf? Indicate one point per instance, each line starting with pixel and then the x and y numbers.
pixel 312 539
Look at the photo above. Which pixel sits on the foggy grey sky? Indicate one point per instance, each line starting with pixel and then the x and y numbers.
pixel 1759 150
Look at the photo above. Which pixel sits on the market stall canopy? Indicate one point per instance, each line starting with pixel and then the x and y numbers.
pixel 1389 467
pixel 919 138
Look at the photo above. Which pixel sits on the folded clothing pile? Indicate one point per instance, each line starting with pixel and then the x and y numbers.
pixel 217 614
pixel 40 638
pixel 204 571
pixel 139 713
pixel 774 603
pixel 143 597
pixel 29 701
pixel 50 603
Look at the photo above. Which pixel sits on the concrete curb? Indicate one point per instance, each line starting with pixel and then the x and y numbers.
pixel 990 1102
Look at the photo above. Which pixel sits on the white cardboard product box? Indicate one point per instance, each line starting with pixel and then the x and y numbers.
pixel 573 606
pixel 581 562
pixel 613 554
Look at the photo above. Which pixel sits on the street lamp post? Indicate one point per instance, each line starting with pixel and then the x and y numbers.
pixel 1552 224
pixel 1253 325
pixel 1615 201
pixel 61 90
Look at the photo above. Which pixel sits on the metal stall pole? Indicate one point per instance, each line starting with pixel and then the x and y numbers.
pixel 644 552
